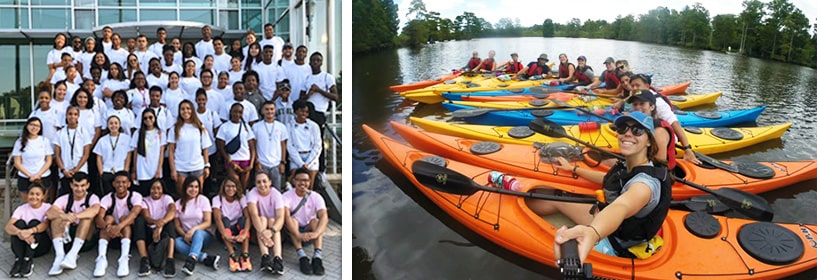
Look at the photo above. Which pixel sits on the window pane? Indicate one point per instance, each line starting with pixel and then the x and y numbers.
pixel 85 19
pixel 228 19
pixel 157 3
pixel 196 3
pixel 51 2
pixel 15 88
pixel 282 28
pixel 251 3
pixel 115 16
pixel 203 16
pixel 157 15
pixel 10 17
pixel 84 3
pixel 251 18
pixel 118 3
pixel 224 3
pixel 50 18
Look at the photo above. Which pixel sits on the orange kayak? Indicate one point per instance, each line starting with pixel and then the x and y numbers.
pixel 422 84
pixel 675 89
pixel 529 161
pixel 733 249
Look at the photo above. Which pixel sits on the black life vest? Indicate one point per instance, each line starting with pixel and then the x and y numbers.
pixel 473 63
pixel 564 69
pixel 70 203
pixel 514 67
pixel 610 79
pixel 535 69
pixel 632 228
pixel 488 64
pixel 113 202
pixel 581 77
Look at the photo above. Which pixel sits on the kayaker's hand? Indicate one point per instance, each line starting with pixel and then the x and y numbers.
pixel 563 164
pixel 690 156
pixel 584 235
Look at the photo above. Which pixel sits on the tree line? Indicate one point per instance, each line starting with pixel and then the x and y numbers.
pixel 776 30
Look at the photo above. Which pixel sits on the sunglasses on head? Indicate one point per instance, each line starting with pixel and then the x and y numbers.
pixel 636 129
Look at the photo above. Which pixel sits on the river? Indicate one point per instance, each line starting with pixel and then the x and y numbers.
pixel 399 234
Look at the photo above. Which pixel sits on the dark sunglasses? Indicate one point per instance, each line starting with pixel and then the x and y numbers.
pixel 621 67
pixel 636 129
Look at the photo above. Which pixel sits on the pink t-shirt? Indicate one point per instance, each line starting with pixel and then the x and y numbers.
pixel 309 210
pixel 231 210
pixel 157 208
pixel 121 209
pixel 267 205
pixel 78 206
pixel 194 212
pixel 26 213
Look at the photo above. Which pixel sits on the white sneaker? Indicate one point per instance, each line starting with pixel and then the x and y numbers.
pixel 55 268
pixel 69 262
pixel 123 270
pixel 101 266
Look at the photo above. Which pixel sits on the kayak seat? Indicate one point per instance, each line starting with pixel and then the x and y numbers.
pixel 693 129
pixel 538 102
pixel 726 133
pixel 754 170
pixel 770 243
pixel 702 224
pixel 541 113
pixel 520 132
pixel 437 160
pixel 708 115
pixel 485 147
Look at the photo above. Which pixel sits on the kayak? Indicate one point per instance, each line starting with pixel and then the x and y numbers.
pixel 426 83
pixel 682 102
pixel 703 140
pixel 696 245
pixel 533 93
pixel 534 161
pixel 575 117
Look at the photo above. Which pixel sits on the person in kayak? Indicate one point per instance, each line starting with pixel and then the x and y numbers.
pixel 488 64
pixel 583 76
pixel 538 68
pixel 512 66
pixel 566 69
pixel 637 195
pixel 644 101
pixel 472 63
pixel 609 76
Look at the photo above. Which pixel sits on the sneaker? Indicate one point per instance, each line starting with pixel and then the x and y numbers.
pixel 212 261
pixel 278 265
pixel 266 263
pixel 144 267
pixel 26 268
pixel 170 268
pixel 189 266
pixel 235 265
pixel 317 266
pixel 306 267
pixel 56 269
pixel 101 266
pixel 15 270
pixel 69 262
pixel 246 264
pixel 122 268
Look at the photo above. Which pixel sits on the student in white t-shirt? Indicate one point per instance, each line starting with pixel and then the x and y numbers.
pixel 223 86
pixel 59 102
pixel 269 73
pixel 283 104
pixel 54 57
pixel 210 119
pixel 250 114
pixel 72 217
pixel 192 223
pixel 221 60
pixel 113 152
pixel 155 76
pixel 189 81
pixel 126 116
pixel 72 147
pixel 32 155
pixel 236 73
pixel 174 94
pixel 29 225
pixel 117 213
pixel 239 162
pixel 205 45
pixel 306 220
pixel 138 95
pixel 271 140
pixel 188 142
pixel 266 209
pixel 116 81
pixel 319 89
pixel 148 145
pixel 304 145
pixel 232 226
pixel 52 119
pixel 156 227
pixel 169 64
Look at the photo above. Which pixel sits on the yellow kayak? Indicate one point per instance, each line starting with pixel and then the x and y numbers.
pixel 703 140
pixel 683 102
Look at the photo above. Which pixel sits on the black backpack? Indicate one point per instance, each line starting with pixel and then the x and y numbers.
pixel 70 203
pixel 113 202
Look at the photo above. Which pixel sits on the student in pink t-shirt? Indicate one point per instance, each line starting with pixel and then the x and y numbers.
pixel 72 214
pixel 229 212
pixel 117 213
pixel 27 228
pixel 156 226
pixel 267 213
pixel 192 222
pixel 306 220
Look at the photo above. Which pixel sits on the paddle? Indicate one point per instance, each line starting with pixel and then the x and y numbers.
pixel 743 202
pixel 549 90
pixel 442 179
pixel 468 113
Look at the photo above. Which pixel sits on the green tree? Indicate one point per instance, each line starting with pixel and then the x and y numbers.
pixel 695 25
pixel 547 28
pixel 415 33
pixel 623 28
pixel 750 20
pixel 371 24
pixel 725 32
pixel 391 15
pixel 417 10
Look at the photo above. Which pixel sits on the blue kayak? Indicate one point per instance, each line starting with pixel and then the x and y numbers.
pixel 457 96
pixel 575 117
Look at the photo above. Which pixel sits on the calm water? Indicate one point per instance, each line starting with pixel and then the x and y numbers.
pixel 407 237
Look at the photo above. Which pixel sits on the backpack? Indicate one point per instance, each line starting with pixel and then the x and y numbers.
pixel 70 203
pixel 113 202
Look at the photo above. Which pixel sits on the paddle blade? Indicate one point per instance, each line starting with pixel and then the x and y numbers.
pixel 547 127
pixel 707 203
pixel 442 179
pixel 751 205
pixel 716 163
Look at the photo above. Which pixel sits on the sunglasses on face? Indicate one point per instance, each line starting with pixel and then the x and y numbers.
pixel 637 130
pixel 621 67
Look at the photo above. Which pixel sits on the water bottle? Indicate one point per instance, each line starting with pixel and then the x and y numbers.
pixel 504 181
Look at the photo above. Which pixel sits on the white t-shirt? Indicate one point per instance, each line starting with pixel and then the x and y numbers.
pixel 106 46
pixel 55 55
pixel 126 119
pixel 250 113
pixel 203 48
pixel 268 138
pixel 113 151
pixel 78 207
pixel 60 106
pixel 164 120
pixel 172 68
pixel 119 56
pixel 297 76
pixel 172 98
pixel 144 59
pixel 229 130
pixel 89 119
pixel 86 58
pixel 147 165
pixel 121 208
pixel 33 158
pixel 230 210
pixel 277 46
pixel 72 143
pixel 214 100
pixel 189 145
pixel 156 48
pixel 226 92
pixel 51 121
pixel 325 81
pixel 114 85
pixel 221 63
pixel 267 205
pixel 161 81
pixel 664 110
pixel 305 137
pixel 268 75
pixel 307 212
pixel 211 121
pixel 190 85
pixel 235 76
pixel 139 99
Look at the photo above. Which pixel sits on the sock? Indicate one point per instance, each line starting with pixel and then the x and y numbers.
pixel 301 253
pixel 317 254
pixel 103 247
pixel 125 248
pixel 78 242
pixel 59 250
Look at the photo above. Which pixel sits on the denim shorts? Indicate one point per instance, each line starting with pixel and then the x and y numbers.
pixel 194 173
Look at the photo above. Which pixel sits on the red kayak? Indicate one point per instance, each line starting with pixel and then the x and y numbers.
pixel 426 83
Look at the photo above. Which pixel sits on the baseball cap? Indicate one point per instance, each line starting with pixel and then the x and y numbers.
pixel 609 60
pixel 643 77
pixel 640 118
pixel 644 95
pixel 581 57
pixel 288 45
pixel 543 56
pixel 514 54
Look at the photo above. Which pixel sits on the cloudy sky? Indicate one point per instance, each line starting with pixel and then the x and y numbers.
pixel 535 12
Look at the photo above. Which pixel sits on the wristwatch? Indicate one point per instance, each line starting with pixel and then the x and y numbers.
pixel 206 165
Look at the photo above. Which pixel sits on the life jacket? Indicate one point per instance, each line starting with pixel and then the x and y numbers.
pixel 670 145
pixel 632 228
pixel 535 69
pixel 564 69
pixel 70 203
pixel 473 63
pixel 610 79
pixel 514 67
pixel 488 64
pixel 113 202
pixel 581 77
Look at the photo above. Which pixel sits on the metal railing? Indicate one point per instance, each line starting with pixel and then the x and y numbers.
pixel 332 127
pixel 8 192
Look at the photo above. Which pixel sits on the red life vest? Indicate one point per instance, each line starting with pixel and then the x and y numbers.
pixel 581 78
pixel 488 64
pixel 564 70
pixel 610 79
pixel 535 69
pixel 514 67
pixel 473 63
pixel 670 145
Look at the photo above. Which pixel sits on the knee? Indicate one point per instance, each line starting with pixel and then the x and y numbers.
pixel 20 224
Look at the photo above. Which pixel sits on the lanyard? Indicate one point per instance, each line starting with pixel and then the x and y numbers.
pixel 113 147
pixel 72 141
pixel 269 132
